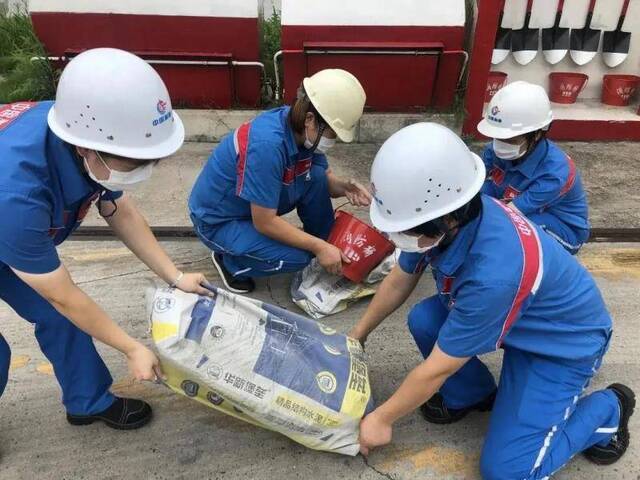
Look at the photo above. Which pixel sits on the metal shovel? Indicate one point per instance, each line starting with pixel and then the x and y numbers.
pixel 524 42
pixel 555 40
pixel 615 45
pixel 584 41
pixel 503 42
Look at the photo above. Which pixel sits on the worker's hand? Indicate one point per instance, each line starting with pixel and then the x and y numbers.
pixel 374 432
pixel 357 194
pixel 143 364
pixel 356 335
pixel 330 258
pixel 193 283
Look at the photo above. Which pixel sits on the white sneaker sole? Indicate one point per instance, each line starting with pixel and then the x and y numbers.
pixel 223 277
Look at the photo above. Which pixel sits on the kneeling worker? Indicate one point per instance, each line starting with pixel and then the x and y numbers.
pixel 502 283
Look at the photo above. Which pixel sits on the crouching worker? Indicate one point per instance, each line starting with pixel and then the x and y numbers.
pixel 501 283
pixel 530 171
pixel 109 125
pixel 270 166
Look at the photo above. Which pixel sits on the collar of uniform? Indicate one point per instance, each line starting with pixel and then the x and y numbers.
pixel 454 255
pixel 531 161
pixel 74 185
pixel 289 137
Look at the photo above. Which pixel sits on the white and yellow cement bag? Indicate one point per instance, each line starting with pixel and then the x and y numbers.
pixel 263 364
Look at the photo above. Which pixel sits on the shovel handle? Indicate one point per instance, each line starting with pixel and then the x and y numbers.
pixel 625 7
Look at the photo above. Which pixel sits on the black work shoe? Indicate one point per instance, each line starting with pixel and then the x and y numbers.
pixel 613 451
pixel 235 285
pixel 123 414
pixel 435 411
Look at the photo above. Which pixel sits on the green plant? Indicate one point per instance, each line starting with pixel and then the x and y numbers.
pixel 23 73
pixel 269 45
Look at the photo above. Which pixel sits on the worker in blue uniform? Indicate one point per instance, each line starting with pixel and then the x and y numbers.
pixel 270 166
pixel 111 122
pixel 502 283
pixel 527 170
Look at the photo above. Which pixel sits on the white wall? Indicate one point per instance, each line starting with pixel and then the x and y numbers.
pixel 200 8
pixel 374 12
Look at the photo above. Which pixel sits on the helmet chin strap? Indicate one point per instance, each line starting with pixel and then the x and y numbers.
pixel 321 128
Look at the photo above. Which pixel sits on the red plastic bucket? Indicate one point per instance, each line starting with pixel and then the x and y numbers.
pixel 617 90
pixel 363 245
pixel 564 87
pixel 494 83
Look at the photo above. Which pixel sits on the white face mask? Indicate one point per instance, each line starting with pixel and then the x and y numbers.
pixel 121 180
pixel 323 145
pixel 506 151
pixel 410 243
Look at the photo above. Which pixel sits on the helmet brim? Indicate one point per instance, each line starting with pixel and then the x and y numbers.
pixel 384 224
pixel 160 150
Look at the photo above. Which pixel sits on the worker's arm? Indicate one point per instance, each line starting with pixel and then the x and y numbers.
pixel 131 227
pixel 420 385
pixel 356 193
pixel 393 292
pixel 268 223
pixel 67 298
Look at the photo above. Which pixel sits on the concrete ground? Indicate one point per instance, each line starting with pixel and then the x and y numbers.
pixel 188 440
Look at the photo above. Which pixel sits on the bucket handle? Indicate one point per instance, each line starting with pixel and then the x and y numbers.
pixel 585 85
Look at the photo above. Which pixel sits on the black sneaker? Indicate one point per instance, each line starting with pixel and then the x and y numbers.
pixel 613 451
pixel 235 285
pixel 123 414
pixel 435 411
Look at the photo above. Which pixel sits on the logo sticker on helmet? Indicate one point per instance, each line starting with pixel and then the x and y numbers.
pixel 493 116
pixel 161 106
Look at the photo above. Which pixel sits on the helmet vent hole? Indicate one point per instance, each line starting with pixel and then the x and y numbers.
pixel 439 185
pixel 437 196
pixel 88 106
pixel 388 211
pixel 418 209
pixel 82 115
pixel 428 191
pixel 110 137
pixel 99 129
pixel 426 201
pixel 449 189
pixel 458 190
pixel 148 135
pixel 93 118
pixel 68 125
pixel 431 179
pixel 87 126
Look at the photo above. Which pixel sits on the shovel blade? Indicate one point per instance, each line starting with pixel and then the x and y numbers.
pixel 524 57
pixel 499 56
pixel 612 59
pixel 581 57
pixel 554 56
pixel 616 42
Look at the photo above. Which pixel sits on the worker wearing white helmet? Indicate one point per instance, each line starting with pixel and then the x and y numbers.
pixel 530 171
pixel 111 122
pixel 270 166
pixel 501 283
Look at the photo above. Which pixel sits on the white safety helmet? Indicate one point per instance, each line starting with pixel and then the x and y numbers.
pixel 517 108
pixel 339 98
pixel 112 101
pixel 422 172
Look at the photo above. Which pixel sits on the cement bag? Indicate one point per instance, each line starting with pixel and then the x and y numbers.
pixel 264 365
pixel 319 294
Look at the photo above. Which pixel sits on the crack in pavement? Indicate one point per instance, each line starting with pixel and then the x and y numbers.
pixel 383 474
pixel 118 275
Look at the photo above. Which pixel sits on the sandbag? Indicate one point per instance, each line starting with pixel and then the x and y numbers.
pixel 264 365
pixel 319 293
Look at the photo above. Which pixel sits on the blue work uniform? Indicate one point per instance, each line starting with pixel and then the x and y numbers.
pixel 260 163
pixel 504 283
pixel 44 196
pixel 545 186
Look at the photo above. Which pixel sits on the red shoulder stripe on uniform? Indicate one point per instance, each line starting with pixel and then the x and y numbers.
pixel 241 143
pixel 571 179
pixel 11 112
pixel 532 268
